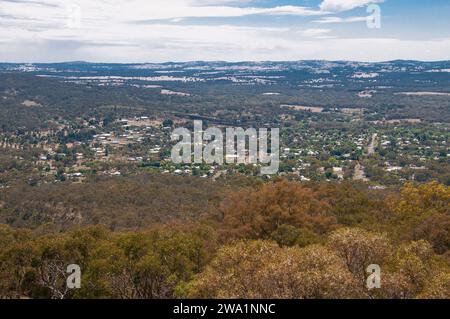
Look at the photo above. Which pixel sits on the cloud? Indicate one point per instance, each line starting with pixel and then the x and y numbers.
pixel 230 44
pixel 344 5
pixel 218 2
pixel 174 12
pixel 132 10
pixel 33 32
pixel 314 32
pixel 329 20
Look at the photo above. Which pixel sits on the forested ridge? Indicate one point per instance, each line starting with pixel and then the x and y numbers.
pixel 86 178
pixel 279 239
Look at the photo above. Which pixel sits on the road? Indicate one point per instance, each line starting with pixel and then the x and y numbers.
pixel 372 144
pixel 359 174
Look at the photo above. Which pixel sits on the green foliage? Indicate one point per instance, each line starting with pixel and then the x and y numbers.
pixel 274 240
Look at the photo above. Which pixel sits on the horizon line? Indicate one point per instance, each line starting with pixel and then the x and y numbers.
pixel 225 61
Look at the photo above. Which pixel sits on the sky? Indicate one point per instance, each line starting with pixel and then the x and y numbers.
pixel 131 31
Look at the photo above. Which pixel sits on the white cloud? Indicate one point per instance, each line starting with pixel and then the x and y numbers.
pixel 218 2
pixel 38 33
pixel 314 32
pixel 160 43
pixel 344 5
pixel 155 11
pixel 329 20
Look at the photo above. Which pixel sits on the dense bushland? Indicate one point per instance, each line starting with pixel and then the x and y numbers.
pixel 268 240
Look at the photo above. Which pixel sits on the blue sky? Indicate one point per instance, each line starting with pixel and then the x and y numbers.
pixel 186 30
